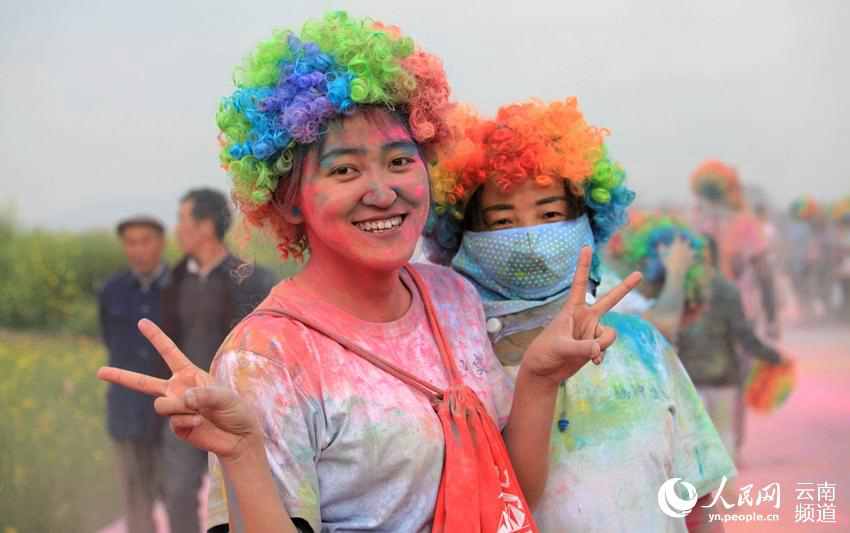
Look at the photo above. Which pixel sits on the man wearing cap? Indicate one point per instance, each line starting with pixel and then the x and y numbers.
pixel 125 298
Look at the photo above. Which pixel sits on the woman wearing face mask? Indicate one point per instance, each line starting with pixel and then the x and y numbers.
pixel 518 203
pixel 362 392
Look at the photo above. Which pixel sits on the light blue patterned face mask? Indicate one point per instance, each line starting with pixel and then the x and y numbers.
pixel 533 263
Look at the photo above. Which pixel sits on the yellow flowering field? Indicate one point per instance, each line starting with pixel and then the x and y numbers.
pixel 56 460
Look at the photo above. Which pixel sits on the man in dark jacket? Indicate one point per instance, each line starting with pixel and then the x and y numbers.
pixel 133 425
pixel 210 291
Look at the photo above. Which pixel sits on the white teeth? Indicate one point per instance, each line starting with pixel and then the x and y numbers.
pixel 380 225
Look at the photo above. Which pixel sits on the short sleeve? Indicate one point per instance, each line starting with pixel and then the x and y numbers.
pixel 699 456
pixel 292 425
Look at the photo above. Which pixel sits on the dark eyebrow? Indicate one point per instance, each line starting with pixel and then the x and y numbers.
pixel 551 199
pixel 337 152
pixel 498 207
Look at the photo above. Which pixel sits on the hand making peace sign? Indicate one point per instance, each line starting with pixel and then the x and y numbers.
pixel 203 414
pixel 575 336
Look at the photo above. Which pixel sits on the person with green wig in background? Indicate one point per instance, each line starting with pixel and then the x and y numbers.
pixel 712 333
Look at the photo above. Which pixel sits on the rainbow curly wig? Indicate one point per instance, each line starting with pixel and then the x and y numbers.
pixel 293 85
pixel 841 211
pixel 718 183
pixel 804 208
pixel 639 244
pixel 525 141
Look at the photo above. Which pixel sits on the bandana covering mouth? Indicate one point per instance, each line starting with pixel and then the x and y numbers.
pixel 521 268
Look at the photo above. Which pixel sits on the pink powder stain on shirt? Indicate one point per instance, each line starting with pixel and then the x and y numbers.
pixel 327 413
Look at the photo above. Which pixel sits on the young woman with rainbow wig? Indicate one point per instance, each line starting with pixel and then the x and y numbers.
pixel 520 201
pixel 347 365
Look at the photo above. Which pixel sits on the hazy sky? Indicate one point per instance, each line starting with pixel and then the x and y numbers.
pixel 107 108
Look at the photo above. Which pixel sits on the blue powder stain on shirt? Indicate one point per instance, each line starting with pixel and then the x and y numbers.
pixel 638 337
pixel 699 462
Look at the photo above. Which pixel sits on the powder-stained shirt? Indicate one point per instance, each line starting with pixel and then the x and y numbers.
pixel 635 421
pixel 351 447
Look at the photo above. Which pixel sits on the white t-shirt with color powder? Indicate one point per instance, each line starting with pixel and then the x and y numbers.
pixel 351 447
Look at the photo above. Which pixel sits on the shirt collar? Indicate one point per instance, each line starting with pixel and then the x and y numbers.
pixel 146 281
pixel 193 267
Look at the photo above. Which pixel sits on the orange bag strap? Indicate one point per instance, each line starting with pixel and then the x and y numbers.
pixel 439 338
pixel 434 394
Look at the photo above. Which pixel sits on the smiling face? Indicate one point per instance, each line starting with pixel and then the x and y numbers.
pixel 525 205
pixel 364 194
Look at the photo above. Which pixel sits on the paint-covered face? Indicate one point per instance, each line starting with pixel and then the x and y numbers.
pixel 364 196
pixel 525 205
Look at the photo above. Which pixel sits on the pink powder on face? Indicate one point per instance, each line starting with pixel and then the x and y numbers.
pixel 360 178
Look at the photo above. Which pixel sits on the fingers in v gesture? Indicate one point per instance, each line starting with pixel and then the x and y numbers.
pixel 207 416
pixel 586 317
pixel 575 335
pixel 184 373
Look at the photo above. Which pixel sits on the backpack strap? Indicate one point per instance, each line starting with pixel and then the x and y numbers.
pixel 439 337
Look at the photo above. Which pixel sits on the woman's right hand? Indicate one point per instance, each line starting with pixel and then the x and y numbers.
pixel 205 415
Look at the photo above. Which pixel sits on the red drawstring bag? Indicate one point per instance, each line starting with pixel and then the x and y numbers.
pixel 478 490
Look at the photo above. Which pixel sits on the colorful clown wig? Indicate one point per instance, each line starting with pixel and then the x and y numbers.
pixel 293 85
pixel 804 208
pixel 841 211
pixel 718 183
pixel 525 141
pixel 639 250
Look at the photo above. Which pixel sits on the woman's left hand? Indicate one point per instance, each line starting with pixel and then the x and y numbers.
pixel 575 335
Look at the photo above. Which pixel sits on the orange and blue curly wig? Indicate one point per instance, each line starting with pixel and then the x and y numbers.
pixel 718 183
pixel 525 141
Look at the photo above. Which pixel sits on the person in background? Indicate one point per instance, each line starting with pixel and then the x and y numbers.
pixel 126 298
pixel 668 254
pixel 723 213
pixel 841 216
pixel 210 291
pixel 803 255
pixel 709 347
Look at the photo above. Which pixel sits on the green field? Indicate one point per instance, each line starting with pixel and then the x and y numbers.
pixel 56 460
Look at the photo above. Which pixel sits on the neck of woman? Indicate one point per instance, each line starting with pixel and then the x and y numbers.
pixel 366 293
